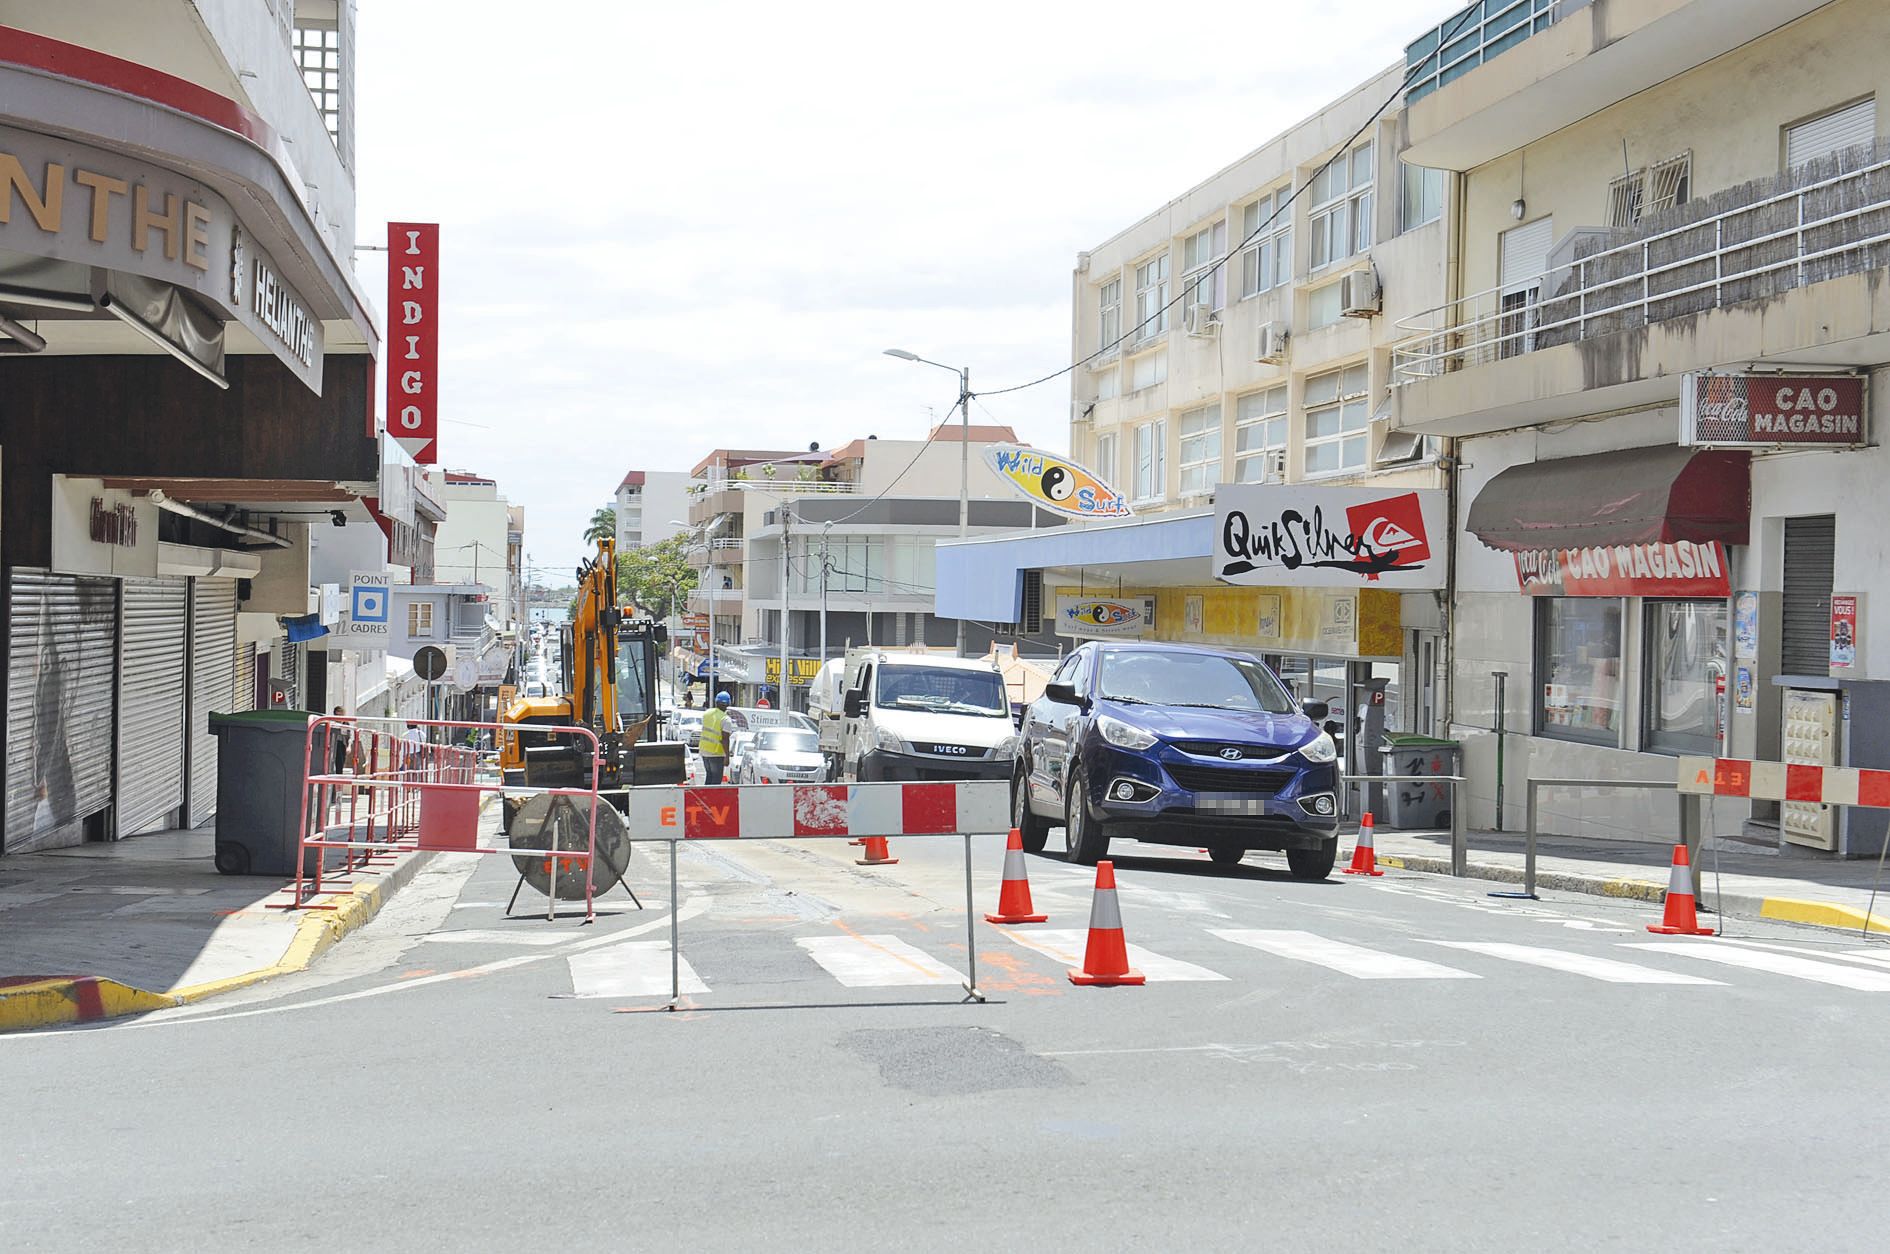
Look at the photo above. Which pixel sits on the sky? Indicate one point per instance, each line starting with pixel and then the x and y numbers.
pixel 671 228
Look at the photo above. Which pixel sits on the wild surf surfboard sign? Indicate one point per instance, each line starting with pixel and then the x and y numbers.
pixel 1310 537
pixel 1055 482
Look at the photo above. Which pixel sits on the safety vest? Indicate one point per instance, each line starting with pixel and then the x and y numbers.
pixel 713 742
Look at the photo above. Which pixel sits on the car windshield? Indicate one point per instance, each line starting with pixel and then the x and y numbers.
pixel 1205 680
pixel 787 740
pixel 945 690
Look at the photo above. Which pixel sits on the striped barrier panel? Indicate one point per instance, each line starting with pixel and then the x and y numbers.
pixel 790 811
pixel 1784 781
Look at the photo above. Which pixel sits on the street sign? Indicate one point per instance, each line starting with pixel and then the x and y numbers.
pixel 466 674
pixel 429 662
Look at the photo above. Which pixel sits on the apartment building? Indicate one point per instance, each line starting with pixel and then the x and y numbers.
pixel 649 503
pixel 1241 335
pixel 1654 378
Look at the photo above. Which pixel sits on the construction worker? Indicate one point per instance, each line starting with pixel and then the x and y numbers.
pixel 713 744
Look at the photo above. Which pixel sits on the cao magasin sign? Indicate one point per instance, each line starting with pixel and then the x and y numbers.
pixel 1679 569
pixel 1769 410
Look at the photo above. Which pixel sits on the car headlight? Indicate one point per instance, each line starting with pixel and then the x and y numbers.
pixel 1319 749
pixel 1006 748
pixel 1124 736
pixel 884 738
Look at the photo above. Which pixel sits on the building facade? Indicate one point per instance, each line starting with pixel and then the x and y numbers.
pixel 650 504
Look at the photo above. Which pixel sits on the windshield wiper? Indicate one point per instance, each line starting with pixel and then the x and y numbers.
pixel 1209 705
pixel 1126 700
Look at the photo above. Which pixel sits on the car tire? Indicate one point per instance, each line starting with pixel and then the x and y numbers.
pixel 1034 831
pixel 1226 855
pixel 1312 864
pixel 1084 840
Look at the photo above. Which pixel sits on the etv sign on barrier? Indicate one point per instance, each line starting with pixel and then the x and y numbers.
pixel 1308 537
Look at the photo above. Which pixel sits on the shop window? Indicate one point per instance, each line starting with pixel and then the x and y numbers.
pixel 1578 669
pixel 1685 663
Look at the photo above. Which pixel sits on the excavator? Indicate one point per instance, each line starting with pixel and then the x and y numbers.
pixel 608 672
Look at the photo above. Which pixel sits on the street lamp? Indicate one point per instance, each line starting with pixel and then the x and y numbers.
pixel 708 566
pixel 964 451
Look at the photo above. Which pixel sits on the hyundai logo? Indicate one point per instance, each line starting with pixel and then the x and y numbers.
pixel 1232 753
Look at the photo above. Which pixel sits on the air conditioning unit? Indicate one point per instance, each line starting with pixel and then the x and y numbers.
pixel 1359 296
pixel 1273 337
pixel 1200 320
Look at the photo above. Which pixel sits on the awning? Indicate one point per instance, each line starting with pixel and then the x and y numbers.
pixel 1628 496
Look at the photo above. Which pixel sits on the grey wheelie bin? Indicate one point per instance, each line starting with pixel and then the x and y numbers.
pixel 1415 805
pixel 259 790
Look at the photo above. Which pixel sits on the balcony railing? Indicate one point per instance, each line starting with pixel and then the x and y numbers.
pixel 1478 32
pixel 1825 219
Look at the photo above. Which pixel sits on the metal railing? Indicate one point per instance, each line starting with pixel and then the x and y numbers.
pixel 1832 226
pixel 1459 843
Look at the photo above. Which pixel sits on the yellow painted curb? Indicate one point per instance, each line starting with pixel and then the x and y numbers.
pixel 73 999
pixel 1822 914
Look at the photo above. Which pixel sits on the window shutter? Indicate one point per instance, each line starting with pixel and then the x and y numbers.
pixel 1525 253
pixel 1810 552
pixel 1834 132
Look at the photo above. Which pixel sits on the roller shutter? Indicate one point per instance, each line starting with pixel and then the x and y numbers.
pixel 1810 558
pixel 213 679
pixel 62 668
pixel 290 671
pixel 1834 132
pixel 153 660
pixel 244 697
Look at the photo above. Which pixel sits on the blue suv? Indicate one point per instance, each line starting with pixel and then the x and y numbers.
pixel 1177 745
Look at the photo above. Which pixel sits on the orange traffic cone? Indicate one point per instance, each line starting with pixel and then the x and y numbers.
pixel 876 853
pixel 1014 898
pixel 1106 960
pixel 1364 857
pixel 1679 918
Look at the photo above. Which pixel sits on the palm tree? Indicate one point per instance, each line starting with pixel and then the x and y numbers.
pixel 603 525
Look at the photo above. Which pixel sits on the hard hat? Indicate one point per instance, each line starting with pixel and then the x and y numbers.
pixel 721 698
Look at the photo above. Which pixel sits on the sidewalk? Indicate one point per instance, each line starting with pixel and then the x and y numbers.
pixel 147 922
pixel 1817 891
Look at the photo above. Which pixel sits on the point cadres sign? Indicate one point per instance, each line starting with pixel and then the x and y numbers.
pixel 413 338
pixel 1772 410
pixel 1266 535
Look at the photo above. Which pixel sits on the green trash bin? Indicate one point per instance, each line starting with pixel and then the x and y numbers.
pixel 259 790
pixel 1414 805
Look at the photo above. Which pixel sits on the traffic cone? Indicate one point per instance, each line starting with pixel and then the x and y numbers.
pixel 1679 918
pixel 1364 857
pixel 1014 898
pixel 876 853
pixel 1106 959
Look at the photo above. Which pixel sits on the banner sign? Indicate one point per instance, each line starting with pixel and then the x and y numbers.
pixel 369 610
pixel 1268 535
pixel 413 338
pixel 1680 569
pixel 1769 410
pixel 1055 483
pixel 1843 633
pixel 1092 617
pixel 801 670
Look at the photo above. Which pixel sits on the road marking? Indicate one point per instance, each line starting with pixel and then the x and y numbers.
pixel 1609 969
pixel 875 961
pixel 1778 964
pixel 1876 957
pixel 473 936
pixel 1353 960
pixel 636 969
pixel 1066 946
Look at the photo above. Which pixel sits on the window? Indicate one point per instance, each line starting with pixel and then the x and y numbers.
pixel 1342 207
pixel 1831 132
pixel 1338 421
pixel 1200 450
pixel 1259 429
pixel 1151 461
pixel 1151 299
pixel 1110 320
pixel 1423 196
pixel 1662 185
pixel 1578 669
pixel 1108 385
pixel 1105 466
pixel 1268 259
pixel 1205 282
pixel 318 55
pixel 420 619
pixel 1323 306
pixel 1686 664
pixel 1147 371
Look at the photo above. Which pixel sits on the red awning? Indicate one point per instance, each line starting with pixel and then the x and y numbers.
pixel 1628 496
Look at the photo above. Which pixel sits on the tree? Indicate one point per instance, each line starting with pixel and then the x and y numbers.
pixel 603 525
pixel 655 576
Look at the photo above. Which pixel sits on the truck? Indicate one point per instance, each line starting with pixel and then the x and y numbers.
pixel 912 716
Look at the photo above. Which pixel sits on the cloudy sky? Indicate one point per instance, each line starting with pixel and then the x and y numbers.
pixel 672 227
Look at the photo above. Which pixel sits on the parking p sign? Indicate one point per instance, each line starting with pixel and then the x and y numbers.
pixel 368 608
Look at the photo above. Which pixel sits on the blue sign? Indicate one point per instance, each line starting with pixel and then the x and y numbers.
pixel 368 605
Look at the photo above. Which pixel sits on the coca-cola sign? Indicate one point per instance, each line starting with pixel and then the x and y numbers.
pixel 1772 410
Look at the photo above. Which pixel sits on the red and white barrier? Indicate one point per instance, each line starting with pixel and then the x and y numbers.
pixel 788 811
pixel 1784 781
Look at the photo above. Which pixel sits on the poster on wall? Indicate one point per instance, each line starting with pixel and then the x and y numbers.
pixel 1193 615
pixel 1091 617
pixel 1843 633
pixel 1266 609
pixel 1312 537
pixel 1742 686
pixel 1746 625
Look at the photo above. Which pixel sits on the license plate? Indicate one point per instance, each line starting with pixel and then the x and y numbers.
pixel 1231 803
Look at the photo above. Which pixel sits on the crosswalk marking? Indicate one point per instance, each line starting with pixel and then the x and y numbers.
pixel 875 961
pixel 1066 945
pixel 1353 960
pixel 474 936
pixel 1876 957
pixel 632 969
pixel 1778 964
pixel 1614 972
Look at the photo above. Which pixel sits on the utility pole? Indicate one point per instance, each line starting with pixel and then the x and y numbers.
pixel 964 474
pixel 781 689
pixel 826 530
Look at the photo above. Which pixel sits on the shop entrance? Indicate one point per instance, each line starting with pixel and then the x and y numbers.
pixel 1345 685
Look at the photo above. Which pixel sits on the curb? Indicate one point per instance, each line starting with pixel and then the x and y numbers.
pixel 1825 914
pixel 42 1003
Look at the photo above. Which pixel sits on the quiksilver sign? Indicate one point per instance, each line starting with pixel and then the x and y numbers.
pixel 1267 535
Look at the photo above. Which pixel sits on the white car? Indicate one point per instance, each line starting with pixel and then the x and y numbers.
pixel 686 726
pixel 738 743
pixel 783 755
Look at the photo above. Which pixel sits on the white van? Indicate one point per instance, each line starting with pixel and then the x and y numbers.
pixel 925 716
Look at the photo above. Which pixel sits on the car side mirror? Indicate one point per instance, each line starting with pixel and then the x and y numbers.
pixel 853 704
pixel 1317 711
pixel 1062 693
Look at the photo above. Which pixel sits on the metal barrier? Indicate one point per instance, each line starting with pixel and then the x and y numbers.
pixel 420 795
pixel 1689 823
pixel 1459 852
pixel 673 814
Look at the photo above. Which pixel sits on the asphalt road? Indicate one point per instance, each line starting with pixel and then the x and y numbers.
pixel 1357 1064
